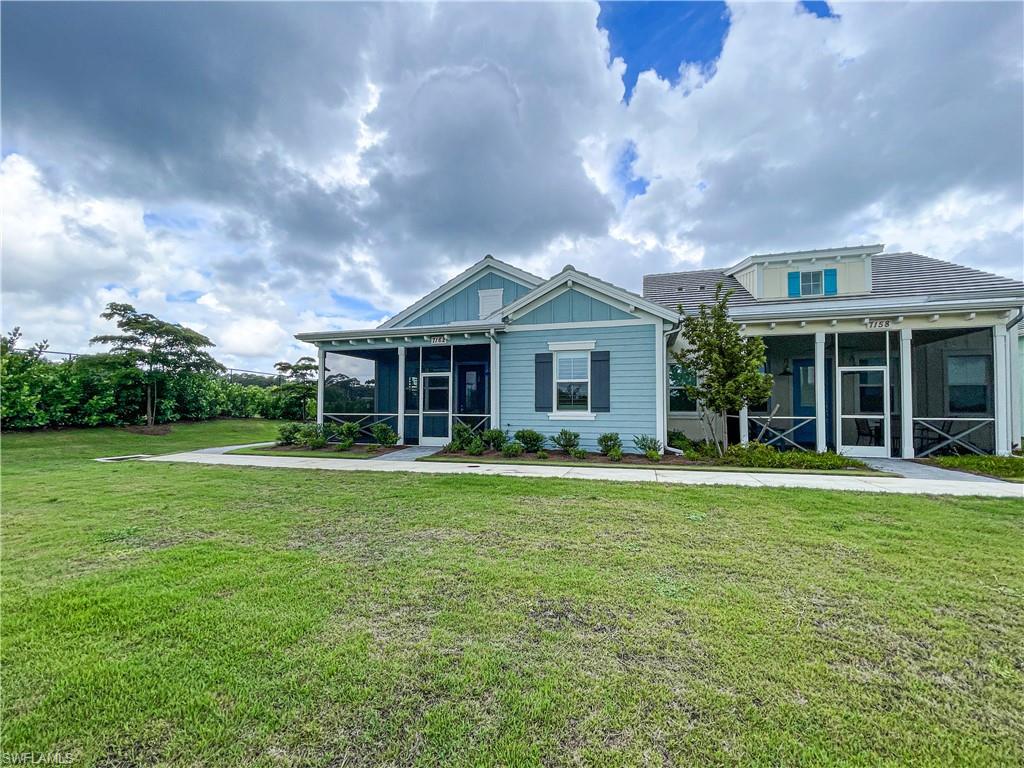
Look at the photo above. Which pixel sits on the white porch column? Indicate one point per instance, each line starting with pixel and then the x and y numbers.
pixel 1001 385
pixel 820 419
pixel 321 357
pixel 744 426
pixel 1016 404
pixel 661 384
pixel 401 396
pixel 906 395
pixel 495 383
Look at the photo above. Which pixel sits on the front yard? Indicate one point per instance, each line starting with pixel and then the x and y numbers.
pixel 210 615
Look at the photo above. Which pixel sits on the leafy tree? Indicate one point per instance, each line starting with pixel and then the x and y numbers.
pixel 728 366
pixel 23 378
pixel 300 388
pixel 161 350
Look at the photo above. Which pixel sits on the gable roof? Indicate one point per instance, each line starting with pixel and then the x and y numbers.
pixel 893 275
pixel 570 274
pixel 442 292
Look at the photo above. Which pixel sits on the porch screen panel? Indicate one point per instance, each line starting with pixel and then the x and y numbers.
pixel 348 384
pixel 953 389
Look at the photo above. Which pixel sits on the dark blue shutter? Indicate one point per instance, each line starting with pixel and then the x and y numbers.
pixel 542 383
pixel 794 284
pixel 600 382
pixel 831 282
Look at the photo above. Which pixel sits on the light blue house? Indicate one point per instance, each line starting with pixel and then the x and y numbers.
pixel 872 354
pixel 497 346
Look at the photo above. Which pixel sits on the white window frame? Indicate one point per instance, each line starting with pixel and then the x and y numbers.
pixel 669 387
pixel 821 282
pixel 573 347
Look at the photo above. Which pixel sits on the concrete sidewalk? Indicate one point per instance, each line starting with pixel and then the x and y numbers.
pixel 965 487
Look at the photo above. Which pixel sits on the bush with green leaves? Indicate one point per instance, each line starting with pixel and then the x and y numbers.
pixel 462 436
pixel 567 440
pixel 679 440
pixel 615 454
pixel 494 439
pixel 577 453
pixel 313 436
pixel 608 442
pixel 653 456
pixel 532 440
pixel 343 444
pixel 288 434
pixel 475 447
pixel 512 449
pixel 755 454
pixel 348 430
pixel 542 454
pixel 646 444
pixel 384 434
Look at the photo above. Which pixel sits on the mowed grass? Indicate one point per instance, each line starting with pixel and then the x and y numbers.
pixel 1004 467
pixel 205 615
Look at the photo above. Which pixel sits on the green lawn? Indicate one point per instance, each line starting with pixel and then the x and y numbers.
pixel 1005 467
pixel 212 615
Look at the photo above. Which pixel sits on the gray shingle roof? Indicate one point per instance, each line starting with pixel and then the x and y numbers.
pixel 691 289
pixel 892 275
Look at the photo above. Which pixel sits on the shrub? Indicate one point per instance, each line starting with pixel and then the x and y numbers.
pixel 384 434
pixel 344 444
pixel 312 436
pixel 756 454
pixel 653 456
pixel 566 440
pixel 615 454
pixel 532 440
pixel 475 447
pixel 512 449
pixel 701 451
pixel 348 430
pixel 646 444
pixel 494 438
pixel 542 454
pixel 577 453
pixel 679 441
pixel 287 434
pixel 462 436
pixel 608 442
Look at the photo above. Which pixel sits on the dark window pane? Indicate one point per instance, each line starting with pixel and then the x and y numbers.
pixel 968 398
pixel 678 401
pixel 435 394
pixel 572 396
pixel 437 358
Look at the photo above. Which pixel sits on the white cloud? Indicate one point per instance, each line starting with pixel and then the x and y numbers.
pixel 405 141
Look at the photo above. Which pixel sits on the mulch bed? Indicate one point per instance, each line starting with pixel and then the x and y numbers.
pixel 156 429
pixel 591 458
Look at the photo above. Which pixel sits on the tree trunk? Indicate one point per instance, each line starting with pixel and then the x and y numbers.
pixel 725 432
pixel 149 405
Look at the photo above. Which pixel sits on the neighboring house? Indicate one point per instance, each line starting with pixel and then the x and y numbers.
pixel 882 345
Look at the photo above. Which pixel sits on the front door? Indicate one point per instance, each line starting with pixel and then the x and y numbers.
pixel 435 408
pixel 863 411
pixel 804 399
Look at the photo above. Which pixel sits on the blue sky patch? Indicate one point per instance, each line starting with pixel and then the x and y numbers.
pixel 185 223
pixel 661 36
pixel 356 307
pixel 819 8
pixel 631 184
pixel 184 297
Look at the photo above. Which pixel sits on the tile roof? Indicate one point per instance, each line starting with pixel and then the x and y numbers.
pixel 892 275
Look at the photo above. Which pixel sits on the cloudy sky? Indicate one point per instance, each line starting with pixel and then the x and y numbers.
pixel 255 170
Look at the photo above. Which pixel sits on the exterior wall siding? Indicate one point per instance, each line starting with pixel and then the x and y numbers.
pixel 850 276
pixel 573 306
pixel 632 382
pixel 465 304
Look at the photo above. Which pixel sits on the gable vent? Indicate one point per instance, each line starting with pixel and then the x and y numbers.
pixel 491 300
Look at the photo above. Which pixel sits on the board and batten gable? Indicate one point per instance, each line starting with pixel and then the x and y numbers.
pixel 464 304
pixel 633 392
pixel 573 306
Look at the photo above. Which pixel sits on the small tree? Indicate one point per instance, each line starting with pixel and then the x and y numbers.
pixel 301 381
pixel 729 368
pixel 159 348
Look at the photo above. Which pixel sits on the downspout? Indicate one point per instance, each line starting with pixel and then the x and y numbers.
pixel 1013 323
